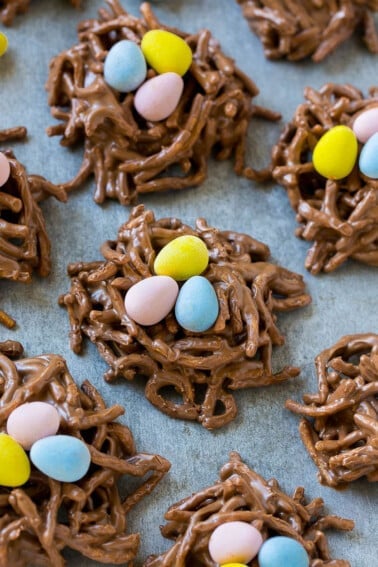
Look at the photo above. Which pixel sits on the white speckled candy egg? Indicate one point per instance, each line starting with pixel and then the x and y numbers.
pixel 157 98
pixel 150 300
pixel 4 169
pixel 125 67
pixel 197 305
pixel 237 542
pixel 366 124
pixel 61 457
pixel 368 162
pixel 32 421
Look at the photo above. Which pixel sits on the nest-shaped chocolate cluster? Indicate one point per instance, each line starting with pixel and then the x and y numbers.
pixel 43 517
pixel 201 368
pixel 339 426
pixel 242 495
pixel 129 155
pixel 9 9
pixel 309 28
pixel 24 243
pixel 340 216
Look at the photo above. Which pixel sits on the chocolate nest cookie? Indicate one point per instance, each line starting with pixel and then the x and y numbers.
pixel 203 368
pixel 241 495
pixel 340 216
pixel 24 243
pixel 339 424
pixel 9 9
pixel 44 516
pixel 128 154
pixel 295 29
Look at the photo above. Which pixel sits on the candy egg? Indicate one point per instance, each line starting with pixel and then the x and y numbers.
pixel 125 66
pixel 335 153
pixel 32 421
pixel 4 169
pixel 234 542
pixel 3 43
pixel 197 305
pixel 61 457
pixel 157 98
pixel 368 162
pixel 366 124
pixel 234 565
pixel 14 463
pixel 150 300
pixel 182 258
pixel 165 51
pixel 280 550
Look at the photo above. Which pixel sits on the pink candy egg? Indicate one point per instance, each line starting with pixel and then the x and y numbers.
pixel 33 421
pixel 234 542
pixel 366 124
pixel 150 300
pixel 4 169
pixel 157 98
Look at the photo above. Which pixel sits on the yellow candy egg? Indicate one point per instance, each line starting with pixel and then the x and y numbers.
pixel 166 52
pixel 3 43
pixel 336 152
pixel 182 258
pixel 14 463
pixel 233 565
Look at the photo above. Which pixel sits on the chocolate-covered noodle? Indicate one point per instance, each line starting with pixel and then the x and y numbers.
pixel 203 369
pixel 43 517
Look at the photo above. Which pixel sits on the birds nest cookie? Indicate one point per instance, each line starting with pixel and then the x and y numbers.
pixel 339 424
pixel 245 520
pixel 9 9
pixel 150 104
pixel 192 310
pixel 24 243
pixel 309 28
pixel 326 161
pixel 62 456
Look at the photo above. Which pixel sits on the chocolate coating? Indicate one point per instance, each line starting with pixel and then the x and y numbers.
pixel 129 155
pixel 339 426
pixel 202 368
pixel 24 243
pixel 9 9
pixel 339 217
pixel 241 494
pixel 296 29
pixel 43 517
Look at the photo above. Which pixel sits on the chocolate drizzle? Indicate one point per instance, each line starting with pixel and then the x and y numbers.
pixel 9 9
pixel 202 368
pixel 128 155
pixel 339 217
pixel 24 243
pixel 339 426
pixel 42 518
pixel 296 29
pixel 242 495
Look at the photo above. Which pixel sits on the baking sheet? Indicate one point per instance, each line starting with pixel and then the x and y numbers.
pixel 343 302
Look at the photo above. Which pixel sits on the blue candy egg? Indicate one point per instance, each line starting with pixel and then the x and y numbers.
pixel 125 67
pixel 61 457
pixel 197 305
pixel 369 157
pixel 279 551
